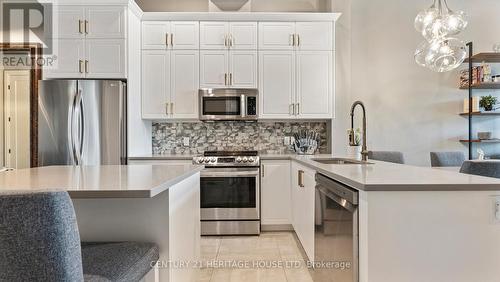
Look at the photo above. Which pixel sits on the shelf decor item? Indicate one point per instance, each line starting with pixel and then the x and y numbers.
pixel 354 151
pixel 440 52
pixel 306 142
pixel 488 102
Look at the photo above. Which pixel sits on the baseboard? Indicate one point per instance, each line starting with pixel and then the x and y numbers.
pixel 276 227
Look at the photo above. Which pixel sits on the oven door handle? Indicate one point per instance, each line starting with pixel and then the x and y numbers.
pixel 243 105
pixel 230 174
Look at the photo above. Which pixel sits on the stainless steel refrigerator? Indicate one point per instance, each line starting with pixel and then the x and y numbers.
pixel 82 122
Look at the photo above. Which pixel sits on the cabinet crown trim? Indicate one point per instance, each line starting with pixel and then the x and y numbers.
pixel 239 16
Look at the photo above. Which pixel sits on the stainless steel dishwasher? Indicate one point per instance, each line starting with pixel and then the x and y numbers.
pixel 336 232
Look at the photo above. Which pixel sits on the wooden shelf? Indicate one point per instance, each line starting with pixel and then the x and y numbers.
pixel 483 85
pixel 481 141
pixel 489 57
pixel 481 114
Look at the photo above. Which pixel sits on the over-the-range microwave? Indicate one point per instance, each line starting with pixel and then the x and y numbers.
pixel 228 104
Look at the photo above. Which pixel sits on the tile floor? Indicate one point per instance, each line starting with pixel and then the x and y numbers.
pixel 253 259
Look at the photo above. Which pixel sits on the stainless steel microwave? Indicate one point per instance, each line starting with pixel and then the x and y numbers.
pixel 228 104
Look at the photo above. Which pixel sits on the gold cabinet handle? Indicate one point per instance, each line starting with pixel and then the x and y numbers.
pixel 86 66
pixel 301 178
pixel 225 40
pixel 80 26
pixel 166 108
pixel 166 39
pixel 171 108
pixel 80 67
pixel 231 40
pixel 172 39
pixel 263 171
pixel 298 39
pixel 86 27
pixel 298 109
pixel 225 79
pixel 293 39
pixel 230 78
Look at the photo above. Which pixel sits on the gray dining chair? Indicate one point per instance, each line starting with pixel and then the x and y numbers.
pixel 39 241
pixel 482 168
pixel 447 159
pixel 387 156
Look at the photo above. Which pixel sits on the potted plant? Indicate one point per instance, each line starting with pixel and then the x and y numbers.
pixel 488 102
pixel 354 149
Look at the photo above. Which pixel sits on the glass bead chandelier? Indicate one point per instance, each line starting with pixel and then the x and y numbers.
pixel 440 52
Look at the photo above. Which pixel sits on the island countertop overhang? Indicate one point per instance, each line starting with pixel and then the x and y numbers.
pixel 108 181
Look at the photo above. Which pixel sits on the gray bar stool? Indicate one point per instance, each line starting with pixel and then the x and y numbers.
pixel 482 168
pixel 387 156
pixel 39 241
pixel 447 159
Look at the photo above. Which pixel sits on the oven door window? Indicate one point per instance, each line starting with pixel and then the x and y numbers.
pixel 226 106
pixel 228 192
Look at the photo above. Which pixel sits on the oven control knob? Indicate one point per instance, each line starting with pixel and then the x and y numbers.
pixel 251 160
pixel 206 160
pixel 238 160
pixel 245 159
pixel 212 160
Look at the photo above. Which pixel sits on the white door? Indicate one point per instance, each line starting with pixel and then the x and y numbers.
pixel 70 59
pixel 69 22
pixel 214 69
pixel 184 35
pixel 106 58
pixel 154 35
pixel 276 192
pixel 314 84
pixel 17 119
pixel 213 35
pixel 276 84
pixel 276 35
pixel 155 84
pixel 105 22
pixel 185 67
pixel 243 35
pixel 243 69
pixel 314 35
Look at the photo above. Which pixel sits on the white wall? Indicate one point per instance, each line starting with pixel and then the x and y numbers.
pixel 409 108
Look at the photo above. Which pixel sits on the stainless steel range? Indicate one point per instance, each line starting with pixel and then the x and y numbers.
pixel 230 192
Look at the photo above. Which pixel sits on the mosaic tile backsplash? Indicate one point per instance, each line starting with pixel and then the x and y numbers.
pixel 266 137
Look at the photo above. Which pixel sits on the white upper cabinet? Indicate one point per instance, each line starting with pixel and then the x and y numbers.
pixel 276 35
pixel 243 69
pixel 213 35
pixel 155 84
pixel 70 59
pixel 105 22
pixel 314 84
pixel 184 71
pixel 161 35
pixel 154 35
pixel 243 35
pixel 276 84
pixel 184 35
pixel 213 69
pixel 90 21
pixel 70 22
pixel 314 35
pixel 105 58
pixel 228 35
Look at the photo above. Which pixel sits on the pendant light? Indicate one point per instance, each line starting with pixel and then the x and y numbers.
pixel 440 52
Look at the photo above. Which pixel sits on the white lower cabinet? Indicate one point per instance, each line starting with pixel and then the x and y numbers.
pixel 275 193
pixel 303 194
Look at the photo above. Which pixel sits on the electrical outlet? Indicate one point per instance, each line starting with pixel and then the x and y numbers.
pixel 185 141
pixel 286 140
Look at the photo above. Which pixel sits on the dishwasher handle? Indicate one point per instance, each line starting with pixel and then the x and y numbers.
pixel 341 201
pixel 338 189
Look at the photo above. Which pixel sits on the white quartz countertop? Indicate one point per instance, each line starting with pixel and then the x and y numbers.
pixel 378 176
pixel 114 181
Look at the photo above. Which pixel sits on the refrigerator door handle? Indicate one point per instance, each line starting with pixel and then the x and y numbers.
pixel 71 130
pixel 79 146
pixel 123 125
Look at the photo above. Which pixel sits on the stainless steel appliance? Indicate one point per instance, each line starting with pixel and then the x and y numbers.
pixel 336 231
pixel 228 104
pixel 230 193
pixel 82 122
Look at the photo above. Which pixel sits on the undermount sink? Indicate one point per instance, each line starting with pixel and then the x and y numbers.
pixel 341 161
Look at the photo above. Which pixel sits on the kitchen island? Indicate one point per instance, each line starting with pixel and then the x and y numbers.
pixel 150 203
pixel 415 223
